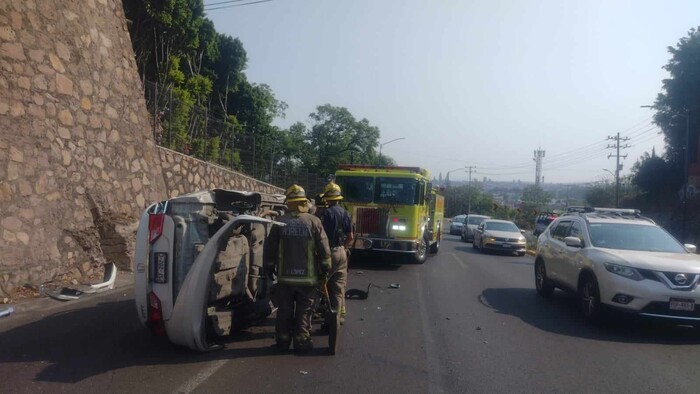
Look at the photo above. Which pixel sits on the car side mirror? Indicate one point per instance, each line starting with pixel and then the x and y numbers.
pixel 573 242
pixel 522 231
pixel 691 248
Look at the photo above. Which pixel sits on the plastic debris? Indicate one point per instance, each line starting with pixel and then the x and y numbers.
pixel 395 286
pixel 6 311
pixel 379 307
pixel 478 328
pixel 303 372
pixel 5 300
pixel 447 318
pixel 66 294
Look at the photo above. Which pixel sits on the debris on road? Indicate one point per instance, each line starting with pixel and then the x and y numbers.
pixel 303 372
pixel 6 311
pixel 66 294
pixel 478 328
pixel 447 318
pixel 358 294
pixel 358 272
pixel 394 286
pixel 5 300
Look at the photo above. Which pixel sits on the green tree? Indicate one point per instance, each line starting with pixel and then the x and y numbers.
pixel 680 97
pixel 601 194
pixel 336 137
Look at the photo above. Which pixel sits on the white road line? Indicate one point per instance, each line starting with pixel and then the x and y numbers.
pixel 435 383
pixel 190 385
pixel 462 263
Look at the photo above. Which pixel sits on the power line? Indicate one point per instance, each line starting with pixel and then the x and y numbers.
pixel 236 5
pixel 223 2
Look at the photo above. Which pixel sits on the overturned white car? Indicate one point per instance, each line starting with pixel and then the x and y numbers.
pixel 198 265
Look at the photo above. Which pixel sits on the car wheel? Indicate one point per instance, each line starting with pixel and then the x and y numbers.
pixel 481 246
pixel 521 254
pixel 461 236
pixel 589 297
pixel 544 287
pixel 422 252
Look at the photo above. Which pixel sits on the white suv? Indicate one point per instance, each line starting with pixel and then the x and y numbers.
pixel 616 258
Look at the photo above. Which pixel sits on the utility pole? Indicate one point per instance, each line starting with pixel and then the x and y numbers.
pixel 469 190
pixel 539 155
pixel 618 167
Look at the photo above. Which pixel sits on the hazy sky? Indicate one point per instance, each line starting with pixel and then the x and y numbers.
pixel 481 83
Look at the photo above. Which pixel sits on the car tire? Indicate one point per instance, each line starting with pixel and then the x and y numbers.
pixel 544 287
pixel 589 297
pixel 520 254
pixel 462 237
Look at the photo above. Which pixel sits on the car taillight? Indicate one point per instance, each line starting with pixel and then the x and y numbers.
pixel 155 226
pixel 155 315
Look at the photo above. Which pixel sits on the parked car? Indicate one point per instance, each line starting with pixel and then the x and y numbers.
pixel 619 260
pixel 456 224
pixel 198 265
pixel 470 224
pixel 500 235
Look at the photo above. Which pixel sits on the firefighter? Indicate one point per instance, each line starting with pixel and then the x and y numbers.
pixel 338 227
pixel 290 254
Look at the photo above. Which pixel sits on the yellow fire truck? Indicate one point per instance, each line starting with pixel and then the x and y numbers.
pixel 394 209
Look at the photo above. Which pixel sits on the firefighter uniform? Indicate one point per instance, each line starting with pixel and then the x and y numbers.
pixel 290 250
pixel 338 227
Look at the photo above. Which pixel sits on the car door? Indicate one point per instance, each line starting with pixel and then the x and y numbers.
pixel 570 257
pixel 478 233
pixel 187 326
pixel 557 250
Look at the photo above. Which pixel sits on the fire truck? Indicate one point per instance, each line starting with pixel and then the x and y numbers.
pixel 395 210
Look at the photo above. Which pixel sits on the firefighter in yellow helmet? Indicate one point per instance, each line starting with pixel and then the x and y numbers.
pixel 290 252
pixel 338 226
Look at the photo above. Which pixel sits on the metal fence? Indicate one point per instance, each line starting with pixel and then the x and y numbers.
pixel 192 130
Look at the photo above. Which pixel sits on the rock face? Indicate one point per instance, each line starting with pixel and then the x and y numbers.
pixel 78 161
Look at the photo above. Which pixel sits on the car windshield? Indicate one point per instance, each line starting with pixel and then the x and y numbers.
pixel 475 220
pixel 357 189
pixel 633 237
pixel 396 191
pixel 458 219
pixel 500 226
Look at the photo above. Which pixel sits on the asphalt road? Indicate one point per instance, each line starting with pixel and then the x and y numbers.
pixel 461 322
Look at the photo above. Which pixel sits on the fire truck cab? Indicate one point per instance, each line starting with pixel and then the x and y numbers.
pixel 395 210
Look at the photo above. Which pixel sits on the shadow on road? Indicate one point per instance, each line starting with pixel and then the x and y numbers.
pixel 560 315
pixel 85 342
pixel 378 263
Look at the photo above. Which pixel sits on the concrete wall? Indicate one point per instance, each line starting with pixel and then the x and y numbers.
pixel 77 158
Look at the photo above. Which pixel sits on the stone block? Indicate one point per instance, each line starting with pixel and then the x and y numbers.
pixel 16 155
pixel 12 50
pixel 63 51
pixel 64 85
pixel 56 63
pixel 11 223
pixel 65 117
pixel 7 34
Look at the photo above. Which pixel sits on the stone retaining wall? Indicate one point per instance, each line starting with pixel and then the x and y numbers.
pixel 78 162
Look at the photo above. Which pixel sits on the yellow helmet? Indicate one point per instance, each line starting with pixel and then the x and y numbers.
pixel 332 192
pixel 295 193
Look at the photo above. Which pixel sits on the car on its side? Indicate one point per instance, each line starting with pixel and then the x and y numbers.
pixel 198 265
pixel 470 224
pixel 456 224
pixel 499 235
pixel 616 259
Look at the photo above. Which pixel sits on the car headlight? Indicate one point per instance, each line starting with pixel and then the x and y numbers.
pixel 489 239
pixel 398 227
pixel 627 272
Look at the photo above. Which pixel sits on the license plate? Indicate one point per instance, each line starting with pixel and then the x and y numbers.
pixel 682 304
pixel 160 267
pixel 506 245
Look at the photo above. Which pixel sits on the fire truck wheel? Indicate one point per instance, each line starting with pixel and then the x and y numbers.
pixel 434 248
pixel 422 252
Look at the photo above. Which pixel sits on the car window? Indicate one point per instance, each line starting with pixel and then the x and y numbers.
pixel 499 226
pixel 475 220
pixel 561 230
pixel 576 231
pixel 633 237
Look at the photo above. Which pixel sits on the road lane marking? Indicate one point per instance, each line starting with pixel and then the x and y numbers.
pixel 462 263
pixel 201 377
pixel 435 384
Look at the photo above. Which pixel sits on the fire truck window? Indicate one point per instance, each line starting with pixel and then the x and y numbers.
pixel 356 189
pixel 396 191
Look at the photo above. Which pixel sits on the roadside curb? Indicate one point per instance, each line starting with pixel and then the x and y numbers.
pixel 23 307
